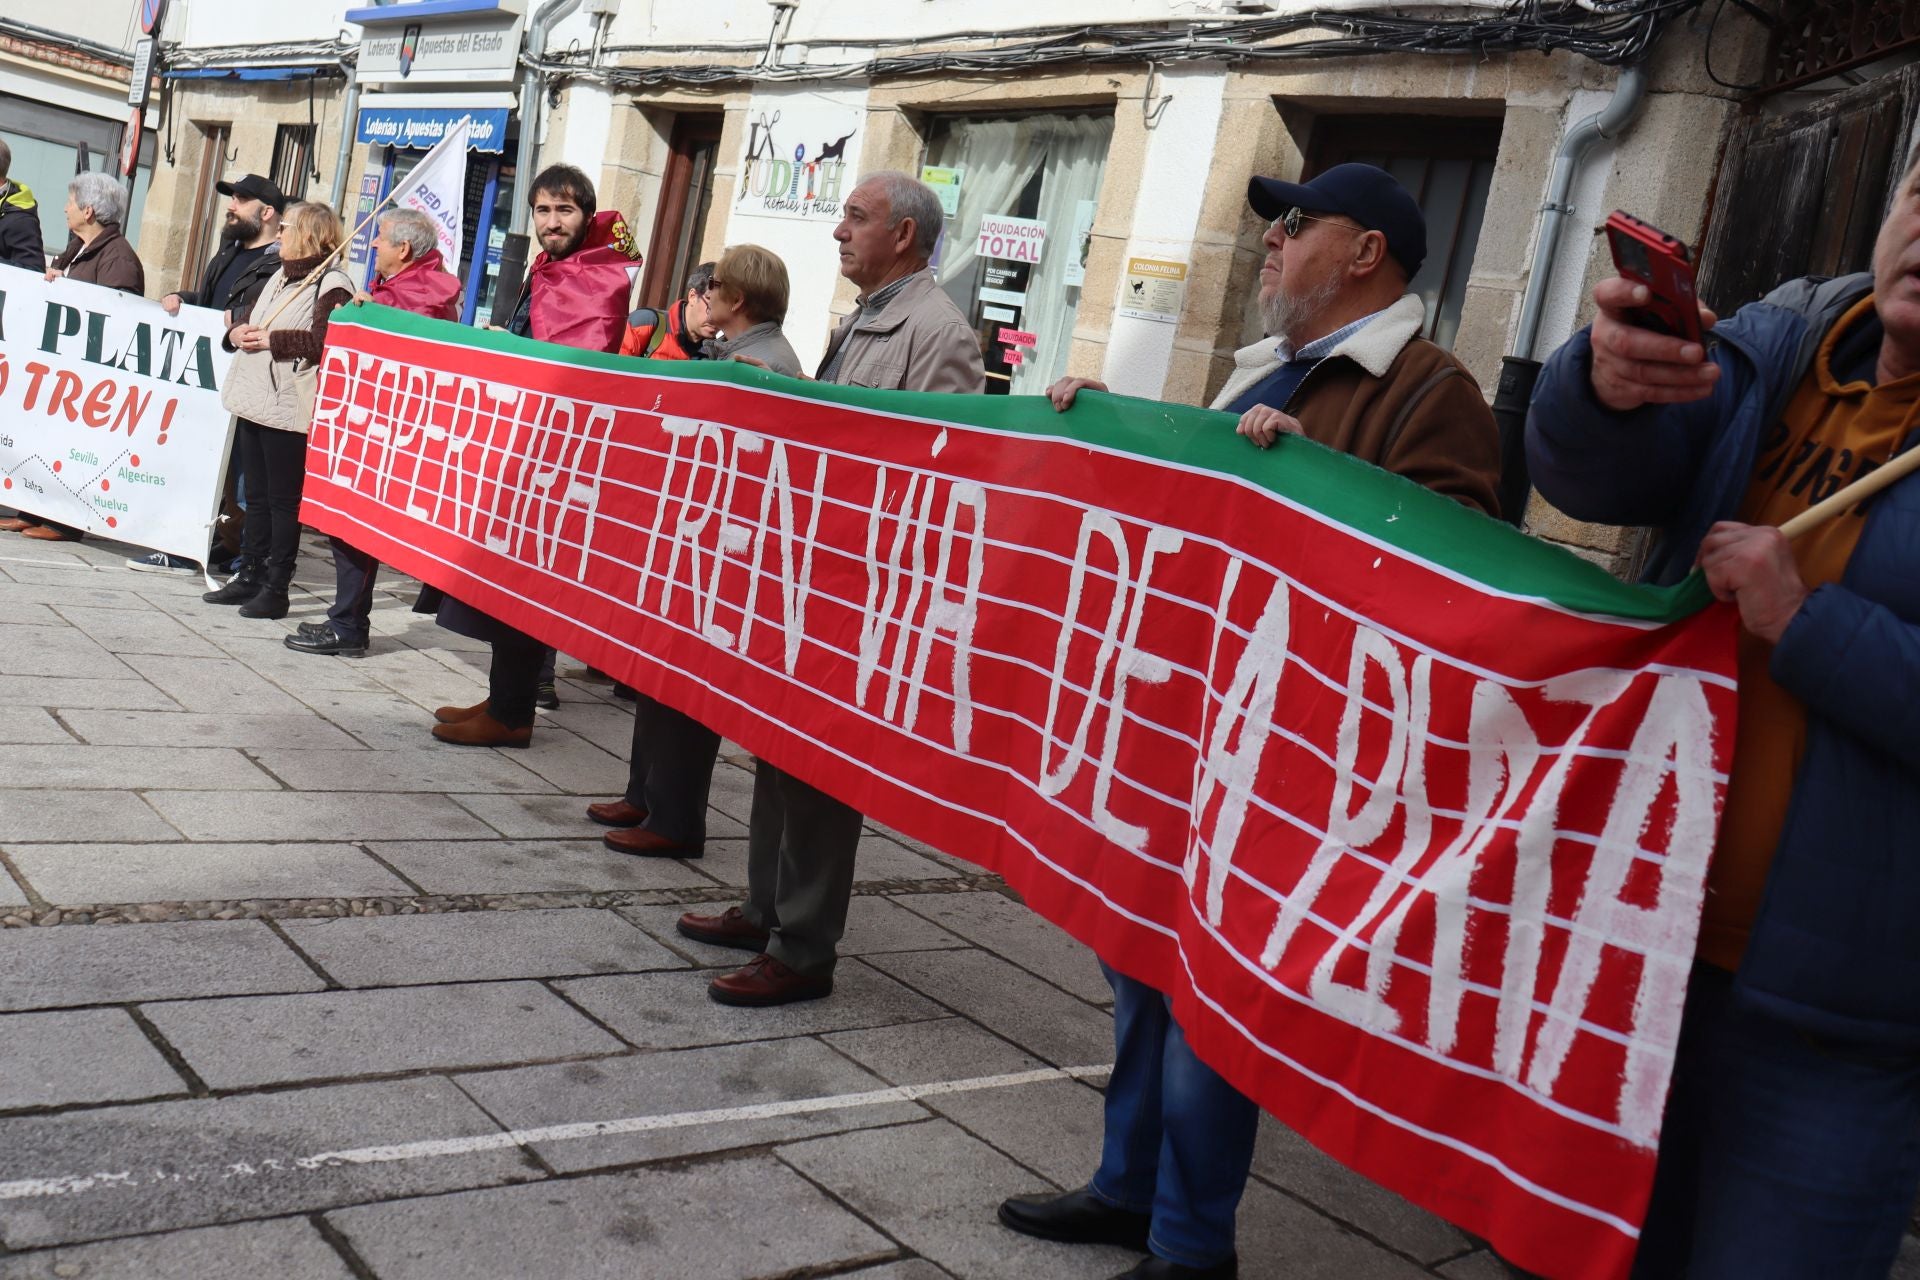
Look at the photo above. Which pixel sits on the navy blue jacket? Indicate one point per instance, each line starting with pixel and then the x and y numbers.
pixel 1836 947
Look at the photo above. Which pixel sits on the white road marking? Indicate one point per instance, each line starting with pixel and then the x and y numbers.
pixel 436 1148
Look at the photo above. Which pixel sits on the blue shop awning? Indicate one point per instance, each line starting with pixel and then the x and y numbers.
pixel 417 128
pixel 249 73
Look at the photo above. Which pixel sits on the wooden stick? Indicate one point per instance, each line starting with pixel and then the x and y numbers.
pixel 1853 495
pixel 320 270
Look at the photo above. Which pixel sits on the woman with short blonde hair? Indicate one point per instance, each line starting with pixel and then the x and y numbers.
pixel 747 303
pixel 270 389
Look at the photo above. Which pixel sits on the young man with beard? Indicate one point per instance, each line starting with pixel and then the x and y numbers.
pixel 576 294
pixel 248 256
pixel 412 276
pixel 1344 366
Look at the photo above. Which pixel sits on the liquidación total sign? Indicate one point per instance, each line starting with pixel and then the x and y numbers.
pixel 110 417
pixel 1410 814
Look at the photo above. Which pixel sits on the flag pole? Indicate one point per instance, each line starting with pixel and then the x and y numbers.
pixel 1853 495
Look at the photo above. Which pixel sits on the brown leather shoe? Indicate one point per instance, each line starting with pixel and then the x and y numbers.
pixel 642 843
pixel 483 731
pixel 616 813
pixel 47 533
pixel 14 524
pixel 764 981
pixel 730 928
pixel 454 715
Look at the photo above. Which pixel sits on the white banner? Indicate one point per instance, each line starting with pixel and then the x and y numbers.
pixel 110 415
pixel 437 187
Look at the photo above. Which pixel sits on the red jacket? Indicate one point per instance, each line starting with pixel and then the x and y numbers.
pixel 423 286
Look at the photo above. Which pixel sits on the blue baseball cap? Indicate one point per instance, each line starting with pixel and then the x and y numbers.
pixel 1366 193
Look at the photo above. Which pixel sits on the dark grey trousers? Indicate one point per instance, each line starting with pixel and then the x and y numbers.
pixel 801 844
pixel 671 771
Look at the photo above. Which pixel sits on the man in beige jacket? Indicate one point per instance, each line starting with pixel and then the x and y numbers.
pixel 905 334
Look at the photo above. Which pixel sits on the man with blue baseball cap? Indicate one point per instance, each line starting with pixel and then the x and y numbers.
pixel 1344 365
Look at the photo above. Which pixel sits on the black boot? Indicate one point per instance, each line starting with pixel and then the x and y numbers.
pixel 1161 1269
pixel 268 602
pixel 1078 1217
pixel 239 589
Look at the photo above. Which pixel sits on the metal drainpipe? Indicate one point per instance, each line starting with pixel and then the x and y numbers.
pixel 349 126
pixel 513 253
pixel 1518 371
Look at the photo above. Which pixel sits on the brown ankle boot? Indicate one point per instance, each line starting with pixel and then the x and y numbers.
pixel 454 715
pixel 483 731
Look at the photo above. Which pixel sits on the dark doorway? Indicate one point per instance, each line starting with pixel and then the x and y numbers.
pixel 686 196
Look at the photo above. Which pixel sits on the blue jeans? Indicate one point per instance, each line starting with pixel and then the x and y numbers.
pixel 1782 1154
pixel 1179 1140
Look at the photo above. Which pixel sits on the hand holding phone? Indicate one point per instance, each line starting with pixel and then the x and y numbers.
pixel 1650 340
pixel 1649 256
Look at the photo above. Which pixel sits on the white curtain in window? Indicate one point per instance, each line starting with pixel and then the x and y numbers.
pixel 1000 157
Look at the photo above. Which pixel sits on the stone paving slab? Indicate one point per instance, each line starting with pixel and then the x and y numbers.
pixel 934 1189
pixel 1010 1002
pixel 262 1040
pixel 879 858
pixel 113 964
pixel 303 730
pixel 608 726
pixel 291 670
pixel 731 1220
pixel 923 1052
pixel 1055 1128
pixel 76 766
pixel 573 764
pixel 424 768
pixel 532 866
pixel 99 872
pixel 60 692
pixel 214 815
pixel 477 946
pixel 383 721
pixel 149 631
pixel 537 817
pixel 1279 1234
pixel 672 1011
pixel 286 1248
pixel 11 894
pixel 1010 930
pixel 206 1161
pixel 57 651
pixel 213 684
pixel 79 815
pixel 26 726
pixel 1288 1160
pixel 714 1078
pixel 73 591
pixel 81 1055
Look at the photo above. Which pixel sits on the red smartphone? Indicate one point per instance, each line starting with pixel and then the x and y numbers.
pixel 1647 255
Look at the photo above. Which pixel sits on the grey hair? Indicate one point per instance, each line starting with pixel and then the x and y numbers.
pixel 908 197
pixel 100 193
pixel 6 160
pixel 411 228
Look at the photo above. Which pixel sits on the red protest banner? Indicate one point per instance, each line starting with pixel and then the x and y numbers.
pixel 1260 730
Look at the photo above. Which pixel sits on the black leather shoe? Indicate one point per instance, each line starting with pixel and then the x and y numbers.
pixel 238 590
pixel 1078 1217
pixel 266 603
pixel 315 628
pixel 325 640
pixel 546 697
pixel 1161 1269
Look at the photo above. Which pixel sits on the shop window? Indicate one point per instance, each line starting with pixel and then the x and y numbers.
pixel 686 199
pixel 1447 163
pixel 1033 180
pixel 292 159
pixel 487 210
pixel 51 145
pixel 209 206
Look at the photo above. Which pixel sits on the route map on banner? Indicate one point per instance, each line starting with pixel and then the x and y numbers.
pixel 1409 814
pixel 110 415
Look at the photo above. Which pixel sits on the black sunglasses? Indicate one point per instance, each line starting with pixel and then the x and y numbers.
pixel 1290 221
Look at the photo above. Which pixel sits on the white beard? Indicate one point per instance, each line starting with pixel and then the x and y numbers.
pixel 1289 316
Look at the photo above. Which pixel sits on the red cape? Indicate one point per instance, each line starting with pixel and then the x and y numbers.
pixel 423 287
pixel 581 300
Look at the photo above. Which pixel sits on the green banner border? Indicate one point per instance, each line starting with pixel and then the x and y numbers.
pixel 1375 503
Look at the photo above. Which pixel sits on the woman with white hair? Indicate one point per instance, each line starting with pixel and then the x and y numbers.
pixel 98 253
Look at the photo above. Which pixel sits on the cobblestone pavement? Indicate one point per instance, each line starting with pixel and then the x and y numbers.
pixel 289 990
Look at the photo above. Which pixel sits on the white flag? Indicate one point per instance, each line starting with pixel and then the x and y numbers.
pixel 437 187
